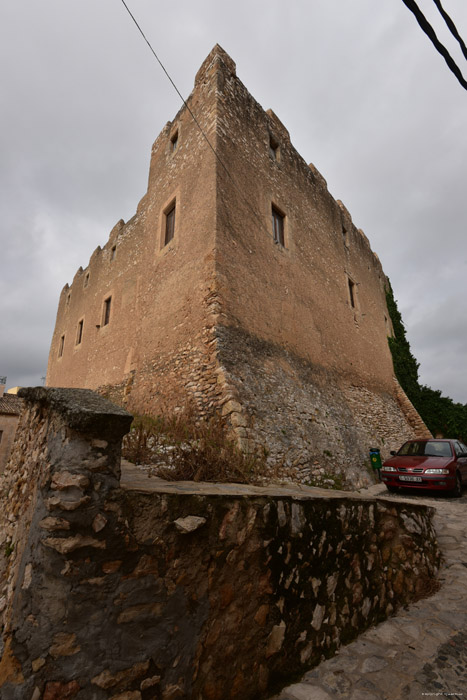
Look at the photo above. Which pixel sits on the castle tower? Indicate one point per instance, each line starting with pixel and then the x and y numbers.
pixel 241 285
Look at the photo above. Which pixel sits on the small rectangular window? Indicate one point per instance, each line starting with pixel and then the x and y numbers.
pixel 61 346
pixel 79 332
pixel 1 435
pixel 278 226
pixel 352 293
pixel 174 141
pixel 169 225
pixel 106 315
pixel 113 252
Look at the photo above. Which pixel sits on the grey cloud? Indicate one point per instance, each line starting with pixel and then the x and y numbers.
pixel 364 96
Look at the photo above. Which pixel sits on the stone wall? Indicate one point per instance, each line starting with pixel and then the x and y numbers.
pixel 139 590
pixel 10 409
pixel 8 425
pixel 317 426
pixel 64 465
pixel 411 413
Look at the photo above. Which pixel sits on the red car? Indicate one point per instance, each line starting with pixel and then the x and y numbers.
pixel 427 464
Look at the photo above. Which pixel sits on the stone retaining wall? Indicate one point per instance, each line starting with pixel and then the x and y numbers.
pixel 316 424
pixel 136 593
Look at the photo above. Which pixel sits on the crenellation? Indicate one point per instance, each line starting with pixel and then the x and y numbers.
pixel 319 179
pixel 278 125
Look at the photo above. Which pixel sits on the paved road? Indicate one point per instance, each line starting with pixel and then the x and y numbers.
pixel 421 652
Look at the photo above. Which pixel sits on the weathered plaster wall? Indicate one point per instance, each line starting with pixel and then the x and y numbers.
pixel 136 593
pixel 161 308
pixel 295 295
pixel 313 374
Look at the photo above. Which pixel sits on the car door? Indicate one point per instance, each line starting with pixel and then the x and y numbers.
pixel 461 454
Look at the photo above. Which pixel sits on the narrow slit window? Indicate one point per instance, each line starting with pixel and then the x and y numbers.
pixel 86 279
pixel 352 293
pixel 388 327
pixel 1 435
pixel 61 346
pixel 273 148
pixel 345 236
pixel 174 141
pixel 169 225
pixel 106 317
pixel 79 333
pixel 278 226
pixel 113 252
pixel 68 299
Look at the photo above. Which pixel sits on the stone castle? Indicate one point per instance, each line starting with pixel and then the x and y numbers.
pixel 240 285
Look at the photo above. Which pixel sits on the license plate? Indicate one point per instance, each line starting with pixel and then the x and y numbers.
pixel 410 478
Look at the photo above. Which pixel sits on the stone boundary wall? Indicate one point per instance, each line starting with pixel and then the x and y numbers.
pixel 8 425
pixel 135 593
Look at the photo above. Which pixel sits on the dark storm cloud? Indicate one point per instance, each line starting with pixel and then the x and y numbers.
pixel 360 88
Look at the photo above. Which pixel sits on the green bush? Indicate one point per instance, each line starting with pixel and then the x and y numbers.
pixel 440 413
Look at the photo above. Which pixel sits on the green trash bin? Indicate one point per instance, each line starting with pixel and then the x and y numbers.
pixel 375 459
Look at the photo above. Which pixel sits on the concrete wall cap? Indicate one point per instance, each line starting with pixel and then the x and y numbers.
pixel 83 410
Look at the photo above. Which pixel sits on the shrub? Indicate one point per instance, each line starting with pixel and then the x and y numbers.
pixel 440 413
pixel 179 446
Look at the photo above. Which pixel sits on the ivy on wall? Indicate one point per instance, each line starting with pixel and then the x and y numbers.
pixel 443 417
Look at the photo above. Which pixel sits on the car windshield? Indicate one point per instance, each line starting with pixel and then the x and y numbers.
pixel 426 448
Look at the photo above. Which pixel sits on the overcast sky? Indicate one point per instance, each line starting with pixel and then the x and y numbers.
pixel 362 91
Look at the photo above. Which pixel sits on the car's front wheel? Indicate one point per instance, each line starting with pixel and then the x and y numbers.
pixel 457 490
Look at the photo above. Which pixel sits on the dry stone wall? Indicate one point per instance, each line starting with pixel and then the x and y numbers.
pixel 64 465
pixel 411 413
pixel 316 425
pixel 8 425
pixel 132 591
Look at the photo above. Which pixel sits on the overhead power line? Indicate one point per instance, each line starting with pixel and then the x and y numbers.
pixel 245 199
pixel 167 74
pixel 452 26
pixel 430 32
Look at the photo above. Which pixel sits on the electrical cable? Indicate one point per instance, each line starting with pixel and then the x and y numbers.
pixel 430 32
pixel 257 216
pixel 166 72
pixel 452 26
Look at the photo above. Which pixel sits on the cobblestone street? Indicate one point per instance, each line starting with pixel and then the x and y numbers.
pixel 422 651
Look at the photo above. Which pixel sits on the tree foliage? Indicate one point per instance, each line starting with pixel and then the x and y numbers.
pixel 441 414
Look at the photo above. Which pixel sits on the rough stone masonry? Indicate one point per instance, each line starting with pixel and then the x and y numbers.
pixel 240 286
pixel 123 590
